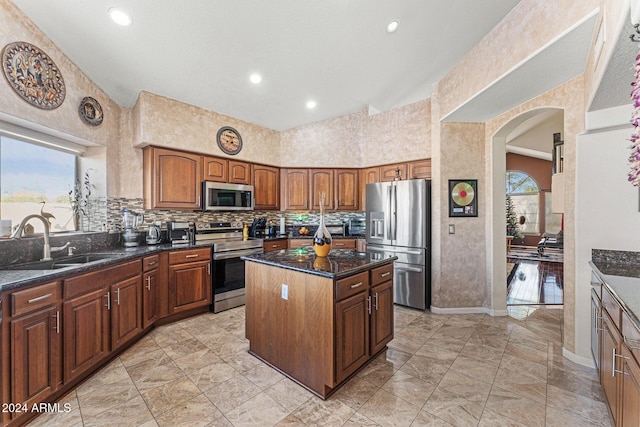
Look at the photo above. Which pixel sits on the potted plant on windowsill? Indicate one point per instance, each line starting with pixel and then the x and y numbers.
pixel 79 200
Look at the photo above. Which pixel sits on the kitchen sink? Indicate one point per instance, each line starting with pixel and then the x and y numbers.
pixel 56 264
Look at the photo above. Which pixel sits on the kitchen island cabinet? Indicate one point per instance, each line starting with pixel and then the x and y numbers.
pixel 318 320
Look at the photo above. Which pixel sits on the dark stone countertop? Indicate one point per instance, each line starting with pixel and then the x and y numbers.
pixel 13 279
pixel 622 277
pixel 339 263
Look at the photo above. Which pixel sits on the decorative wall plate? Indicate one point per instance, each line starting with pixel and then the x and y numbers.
pixel 229 140
pixel 91 111
pixel 33 75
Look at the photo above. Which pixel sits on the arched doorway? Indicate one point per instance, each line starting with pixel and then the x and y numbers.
pixel 531 123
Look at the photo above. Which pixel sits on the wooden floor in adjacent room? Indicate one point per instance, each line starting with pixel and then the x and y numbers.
pixel 535 282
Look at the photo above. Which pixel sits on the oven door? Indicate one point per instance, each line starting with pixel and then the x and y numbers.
pixel 228 278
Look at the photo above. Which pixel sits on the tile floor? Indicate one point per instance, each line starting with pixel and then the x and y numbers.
pixel 536 282
pixel 440 370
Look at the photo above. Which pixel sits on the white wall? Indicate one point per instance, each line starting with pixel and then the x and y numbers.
pixel 606 208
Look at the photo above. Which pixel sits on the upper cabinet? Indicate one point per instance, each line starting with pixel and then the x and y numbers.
pixel 420 169
pixel 266 182
pixel 295 189
pixel 171 179
pixel 347 189
pixel 239 172
pixel 390 172
pixel 321 181
pixel 367 176
pixel 214 169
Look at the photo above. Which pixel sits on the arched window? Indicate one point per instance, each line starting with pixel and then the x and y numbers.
pixel 525 195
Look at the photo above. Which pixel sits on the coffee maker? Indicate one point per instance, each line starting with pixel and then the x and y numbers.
pixel 130 223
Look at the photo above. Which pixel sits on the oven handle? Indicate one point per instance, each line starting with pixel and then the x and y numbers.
pixel 236 254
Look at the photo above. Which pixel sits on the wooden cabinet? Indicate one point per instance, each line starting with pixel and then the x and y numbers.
pixel 300 243
pixel 295 189
pixel 343 244
pixel 239 172
pixel 150 290
pixel 390 172
pixel 89 313
pixel 352 334
pixel 275 245
pixel 629 389
pixel 420 169
pixel 367 176
pixel 347 189
pixel 189 279
pixel 266 183
pixel 381 307
pixel 321 181
pixel 171 179
pixel 35 340
pixel 361 245
pixel 214 169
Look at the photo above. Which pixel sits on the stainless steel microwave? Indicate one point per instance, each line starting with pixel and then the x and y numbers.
pixel 217 196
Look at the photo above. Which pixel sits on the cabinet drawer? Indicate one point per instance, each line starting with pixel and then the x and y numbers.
pixel 150 262
pixel 94 280
pixel 381 274
pixel 631 336
pixel 344 244
pixel 189 255
pixel 275 245
pixel 31 299
pixel 300 243
pixel 611 306
pixel 352 285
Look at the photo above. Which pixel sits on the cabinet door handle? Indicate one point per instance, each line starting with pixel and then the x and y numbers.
pixel 192 256
pixel 274 246
pixel 118 296
pixel 356 285
pixel 108 297
pixel 153 262
pixel 40 298
pixel 613 363
pixel 385 274
pixel 339 244
pixel 209 269
pixel 57 327
pixel 376 303
pixel 148 283
pixel 369 304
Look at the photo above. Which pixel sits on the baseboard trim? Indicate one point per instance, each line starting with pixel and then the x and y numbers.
pixel 584 361
pixel 468 310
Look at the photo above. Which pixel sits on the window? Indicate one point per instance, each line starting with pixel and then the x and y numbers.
pixel 36 179
pixel 525 196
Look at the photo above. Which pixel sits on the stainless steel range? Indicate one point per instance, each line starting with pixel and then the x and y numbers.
pixel 228 269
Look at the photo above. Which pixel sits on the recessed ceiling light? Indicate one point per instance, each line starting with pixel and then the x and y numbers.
pixel 120 17
pixel 393 26
pixel 255 78
pixel 311 104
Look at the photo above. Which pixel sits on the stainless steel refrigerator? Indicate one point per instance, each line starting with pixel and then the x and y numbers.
pixel 399 224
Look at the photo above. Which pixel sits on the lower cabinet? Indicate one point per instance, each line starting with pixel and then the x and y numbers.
pixel 126 304
pixel 352 334
pixel 630 389
pixel 381 316
pixel 189 279
pixel 36 357
pixel 609 348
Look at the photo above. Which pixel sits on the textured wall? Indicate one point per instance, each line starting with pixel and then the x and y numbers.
pixel 360 140
pixel 527 28
pixel 462 263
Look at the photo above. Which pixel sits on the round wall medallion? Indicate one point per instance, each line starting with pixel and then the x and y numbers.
pixel 91 111
pixel 33 75
pixel 229 140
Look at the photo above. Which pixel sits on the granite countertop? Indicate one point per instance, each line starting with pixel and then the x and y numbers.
pixel 339 263
pixel 623 280
pixel 13 279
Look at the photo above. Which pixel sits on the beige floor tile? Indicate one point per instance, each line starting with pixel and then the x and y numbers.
pixel 387 409
pixel 241 361
pixel 557 418
pixel 68 415
pixel 154 373
pixel 355 393
pixel 425 368
pixel 213 374
pixel 580 406
pixel 107 397
pixel 114 372
pixel 167 396
pixel 406 344
pixel 480 369
pixel 378 371
pixel 289 394
pixel 510 364
pixel 263 376
pixel 196 412
pixel 183 348
pixel 359 420
pixel 132 412
pixel 395 357
pixel 409 388
pixel 493 419
pixel 465 386
pixel 566 380
pixel 290 421
pixel 232 393
pixel 527 350
pixel 318 412
pixel 522 385
pixel 455 410
pixel 462 333
pixel 511 405
pixel 260 410
pixel 425 419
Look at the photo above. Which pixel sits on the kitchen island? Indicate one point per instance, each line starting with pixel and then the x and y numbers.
pixel 318 320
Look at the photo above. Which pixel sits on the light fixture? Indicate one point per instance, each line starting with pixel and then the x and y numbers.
pixel 120 17
pixel 311 104
pixel 255 78
pixel 392 27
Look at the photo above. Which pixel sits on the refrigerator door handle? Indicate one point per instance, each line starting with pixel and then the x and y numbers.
pixel 394 212
pixel 388 213
pixel 413 269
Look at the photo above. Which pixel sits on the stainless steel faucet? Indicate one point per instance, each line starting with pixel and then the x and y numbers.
pixel 46 255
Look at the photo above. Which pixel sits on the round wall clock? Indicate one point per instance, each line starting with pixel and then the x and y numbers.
pixel 229 140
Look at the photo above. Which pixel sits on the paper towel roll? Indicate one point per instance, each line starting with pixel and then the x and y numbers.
pixel 282 226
